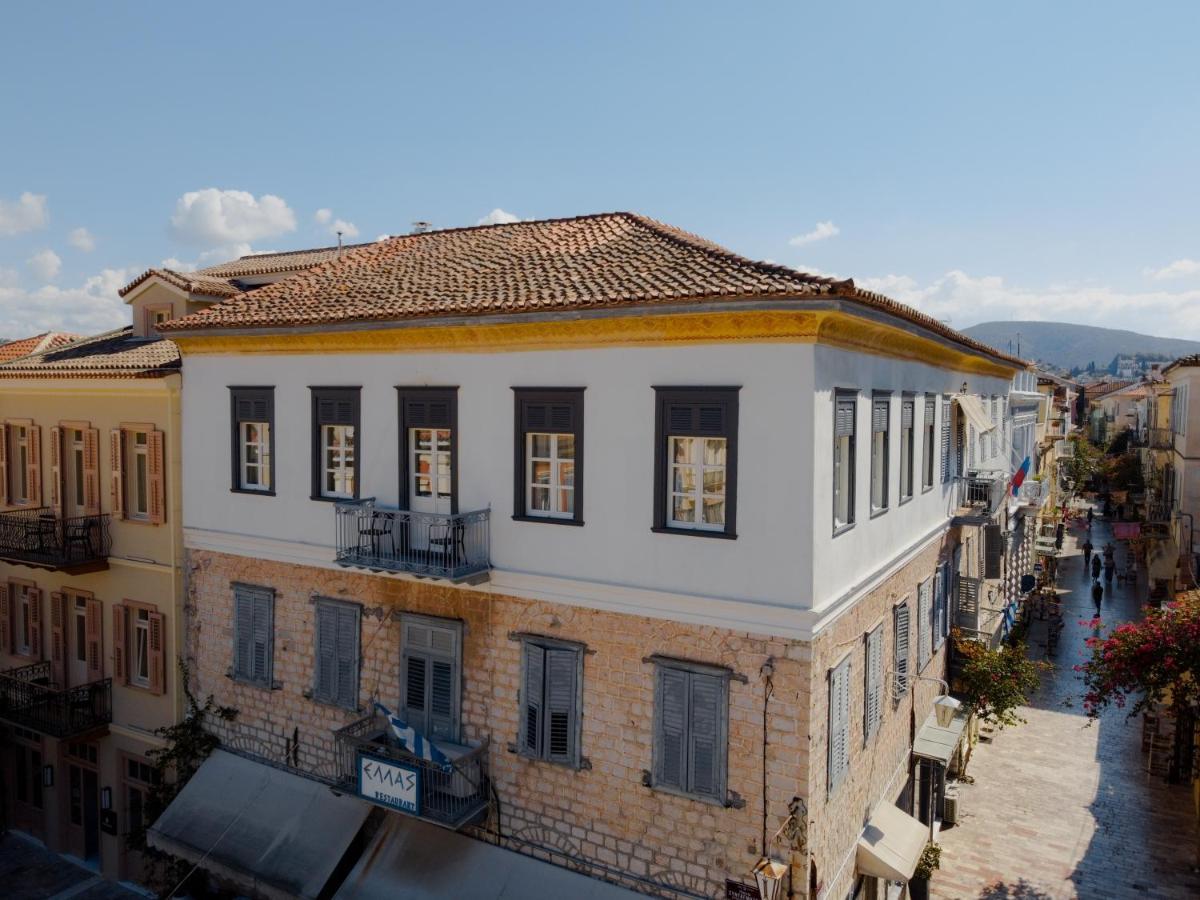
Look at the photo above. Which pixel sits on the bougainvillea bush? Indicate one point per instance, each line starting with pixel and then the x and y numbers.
pixel 1141 664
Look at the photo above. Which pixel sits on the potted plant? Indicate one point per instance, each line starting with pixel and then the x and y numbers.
pixel 931 858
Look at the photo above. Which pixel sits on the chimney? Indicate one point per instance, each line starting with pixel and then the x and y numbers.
pixel 420 227
pixel 339 252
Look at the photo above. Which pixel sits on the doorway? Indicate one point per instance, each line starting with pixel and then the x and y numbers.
pixel 430 485
pixel 26 794
pixel 83 802
pixel 77 653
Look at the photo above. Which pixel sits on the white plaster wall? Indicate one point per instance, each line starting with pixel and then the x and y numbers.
pixel 846 561
pixel 767 564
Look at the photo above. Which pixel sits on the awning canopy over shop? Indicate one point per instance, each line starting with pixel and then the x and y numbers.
pixel 938 743
pixel 271 832
pixel 891 844
pixel 973 409
pixel 413 860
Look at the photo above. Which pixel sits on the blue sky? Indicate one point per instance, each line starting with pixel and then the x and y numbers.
pixel 981 161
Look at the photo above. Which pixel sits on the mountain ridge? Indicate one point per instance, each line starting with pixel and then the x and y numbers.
pixel 1066 344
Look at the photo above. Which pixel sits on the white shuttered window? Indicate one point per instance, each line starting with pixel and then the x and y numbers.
pixel 873 688
pixel 900 648
pixel 924 618
pixel 839 723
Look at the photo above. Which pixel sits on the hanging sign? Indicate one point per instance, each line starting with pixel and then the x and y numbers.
pixel 389 784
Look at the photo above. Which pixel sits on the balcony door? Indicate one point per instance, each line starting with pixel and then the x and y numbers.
pixel 429 477
pixel 25 792
pixel 83 802
pixel 77 662
pixel 75 501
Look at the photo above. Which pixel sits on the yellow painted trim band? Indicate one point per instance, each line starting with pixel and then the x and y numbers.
pixel 784 327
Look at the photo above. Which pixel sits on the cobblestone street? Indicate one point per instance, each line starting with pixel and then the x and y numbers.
pixel 1064 809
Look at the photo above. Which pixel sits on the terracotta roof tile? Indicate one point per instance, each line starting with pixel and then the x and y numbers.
pixel 114 354
pixel 47 340
pixel 192 282
pixel 271 263
pixel 1183 362
pixel 588 262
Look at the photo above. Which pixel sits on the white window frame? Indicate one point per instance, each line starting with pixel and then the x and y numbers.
pixel 24 631
pixel 76 439
pixel 697 493
pixel 555 485
pixel 263 465
pixel 136 483
pixel 344 470
pixel 140 632
pixel 19 464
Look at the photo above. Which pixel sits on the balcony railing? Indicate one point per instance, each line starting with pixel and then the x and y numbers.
pixel 1159 438
pixel 454 546
pixel 1033 492
pixel 36 536
pixel 980 495
pixel 453 796
pixel 1160 511
pixel 29 698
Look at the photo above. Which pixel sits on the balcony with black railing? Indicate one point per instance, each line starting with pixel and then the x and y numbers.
pixel 29 699
pixel 978 497
pixel 452 546
pixel 38 537
pixel 453 794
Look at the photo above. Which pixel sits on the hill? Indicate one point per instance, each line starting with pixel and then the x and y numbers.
pixel 1066 345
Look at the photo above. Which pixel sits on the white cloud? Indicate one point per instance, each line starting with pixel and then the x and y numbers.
pixel 821 232
pixel 322 216
pixel 45 264
pixel 177 265
pixel 383 237
pixel 89 308
pixel 964 300
pixel 333 225
pixel 814 270
pixel 28 213
pixel 498 216
pixel 1181 268
pixel 81 239
pixel 212 217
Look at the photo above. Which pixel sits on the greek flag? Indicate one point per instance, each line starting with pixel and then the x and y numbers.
pixel 415 742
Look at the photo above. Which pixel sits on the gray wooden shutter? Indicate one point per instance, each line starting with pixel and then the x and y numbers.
pixel 243 630
pixel 705 735
pixel 907 411
pixel 843 423
pixel 923 610
pixel 839 723
pixel 900 618
pixel 879 415
pixel 672 728
pixel 560 705
pixel 532 691
pixel 261 650
pixel 873 674
pixel 967 601
pixel 347 656
pixel 939 607
pixel 993 550
pixel 945 440
pixel 431 675
pixel 327 659
pixel 253 627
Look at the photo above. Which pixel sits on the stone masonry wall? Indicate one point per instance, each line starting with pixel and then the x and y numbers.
pixel 602 815
pixel 837 819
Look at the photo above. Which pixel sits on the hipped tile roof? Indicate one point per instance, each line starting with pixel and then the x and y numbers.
pixel 192 282
pixel 1183 362
pixel 114 354
pixel 588 262
pixel 47 340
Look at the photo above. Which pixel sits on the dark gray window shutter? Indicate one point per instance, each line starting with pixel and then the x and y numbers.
pixel 993 550
pixel 253 404
pixel 347 656
pixel 560 705
pixel 907 410
pixel 879 415
pixel 548 416
pixel 945 441
pixel 261 639
pixel 337 406
pixel 533 725
pixel 429 411
pixel 243 630
pixel 431 667
pixel 327 656
pixel 705 735
pixel 670 740
pixel 416 687
pixel 901 616
pixel 696 419
pixel 843 424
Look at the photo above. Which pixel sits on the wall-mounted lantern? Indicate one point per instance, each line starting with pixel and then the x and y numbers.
pixel 769 875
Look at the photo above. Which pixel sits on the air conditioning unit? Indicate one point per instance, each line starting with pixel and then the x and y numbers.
pixel 950 806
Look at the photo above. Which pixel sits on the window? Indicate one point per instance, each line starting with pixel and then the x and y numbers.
pixel 900 622
pixel 839 723
pixel 21 619
pixel 691 723
pixel 551 685
pixel 76 638
pixel 76 455
pixel 140 779
pixel 138 491
pixel 253 412
pixel 431 675
pixel 20 463
pixel 337 636
pixel 946 467
pixel 907 437
pixel 873 687
pixel 941 604
pixel 924 615
pixel 695 455
pixel 927 445
pixel 139 647
pixel 880 416
pixel 548 482
pixel 253 634
pixel 335 450
pixel 154 316
pixel 844 432
pixel 429 450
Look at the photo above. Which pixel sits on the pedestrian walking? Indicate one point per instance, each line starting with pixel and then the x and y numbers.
pixel 1095 567
pixel 1059 534
pixel 1091 515
pixel 1108 572
pixel 1087 553
pixel 1097 595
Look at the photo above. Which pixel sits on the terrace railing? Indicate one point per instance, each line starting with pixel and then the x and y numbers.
pixel 384 539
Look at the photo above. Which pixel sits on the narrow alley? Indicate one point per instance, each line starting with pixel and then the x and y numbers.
pixel 1062 807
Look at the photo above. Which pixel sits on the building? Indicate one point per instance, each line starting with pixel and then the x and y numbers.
pixel 714 645
pixel 91 563
pixel 1180 476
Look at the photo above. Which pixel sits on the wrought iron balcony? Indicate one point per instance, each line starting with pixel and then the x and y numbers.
pixel 453 796
pixel 36 536
pixel 1160 511
pixel 979 495
pixel 29 698
pixel 1033 492
pixel 1160 438
pixel 433 545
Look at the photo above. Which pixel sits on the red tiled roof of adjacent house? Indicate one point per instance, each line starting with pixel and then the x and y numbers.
pixel 1183 362
pixel 588 262
pixel 47 340
pixel 271 263
pixel 1106 387
pixel 114 354
pixel 192 282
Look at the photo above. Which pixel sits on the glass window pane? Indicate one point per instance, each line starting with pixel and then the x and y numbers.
pixel 348 435
pixel 539 445
pixel 566 501
pixel 540 473
pixel 566 474
pixel 714 511
pixel 251 432
pixel 443 440
pixel 566 446
pixel 330 483
pixel 251 453
pixel 540 499
pixel 714 451
pixel 682 449
pixel 332 437
pixel 424 439
pixel 714 481
pixel 424 486
pixel 444 486
pixel 684 479
pixel 683 509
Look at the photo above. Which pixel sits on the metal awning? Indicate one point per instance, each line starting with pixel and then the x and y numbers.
pixel 413 860
pixel 273 833
pixel 938 743
pixel 973 409
pixel 891 844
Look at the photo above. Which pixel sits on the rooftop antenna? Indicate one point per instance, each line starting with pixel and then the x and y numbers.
pixel 420 227
pixel 339 252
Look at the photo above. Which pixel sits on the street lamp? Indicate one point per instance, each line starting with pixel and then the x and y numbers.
pixel 769 875
pixel 944 708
